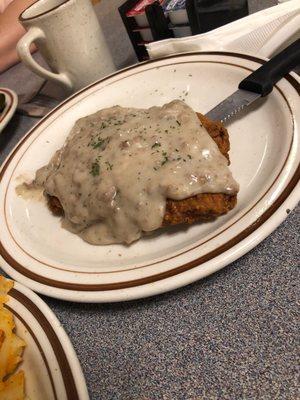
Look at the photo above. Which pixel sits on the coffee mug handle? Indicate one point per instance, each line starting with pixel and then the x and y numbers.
pixel 23 49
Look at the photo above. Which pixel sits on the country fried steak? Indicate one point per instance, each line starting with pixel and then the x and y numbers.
pixel 202 207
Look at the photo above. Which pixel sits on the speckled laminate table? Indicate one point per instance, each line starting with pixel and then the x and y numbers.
pixel 233 335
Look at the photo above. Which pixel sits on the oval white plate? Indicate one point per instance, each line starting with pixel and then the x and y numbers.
pixel 11 100
pixel 264 156
pixel 52 370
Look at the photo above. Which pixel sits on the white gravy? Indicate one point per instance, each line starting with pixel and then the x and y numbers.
pixel 119 165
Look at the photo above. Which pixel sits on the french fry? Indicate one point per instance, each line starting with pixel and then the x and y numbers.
pixel 6 325
pixel 2 336
pixel 13 387
pixel 11 349
pixel 5 286
pixel 15 356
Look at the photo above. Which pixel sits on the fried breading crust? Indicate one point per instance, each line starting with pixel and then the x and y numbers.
pixel 202 207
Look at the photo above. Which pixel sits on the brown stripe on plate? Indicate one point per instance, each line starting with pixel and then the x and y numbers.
pixel 163 275
pixel 168 258
pixel 143 281
pixel 57 347
pixel 152 263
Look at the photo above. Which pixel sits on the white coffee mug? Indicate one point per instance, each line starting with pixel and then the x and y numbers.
pixel 70 39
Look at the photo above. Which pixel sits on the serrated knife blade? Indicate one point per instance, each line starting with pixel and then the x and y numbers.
pixel 258 84
pixel 232 105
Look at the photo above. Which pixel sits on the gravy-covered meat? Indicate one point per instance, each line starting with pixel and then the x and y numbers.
pixel 123 171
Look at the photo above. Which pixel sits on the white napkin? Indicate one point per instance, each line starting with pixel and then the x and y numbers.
pixel 264 33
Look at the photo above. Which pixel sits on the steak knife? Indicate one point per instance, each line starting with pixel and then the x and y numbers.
pixel 258 84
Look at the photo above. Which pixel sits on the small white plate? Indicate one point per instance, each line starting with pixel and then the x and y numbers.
pixel 265 158
pixel 11 102
pixel 52 370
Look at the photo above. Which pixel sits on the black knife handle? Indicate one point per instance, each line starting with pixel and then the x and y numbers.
pixel 264 78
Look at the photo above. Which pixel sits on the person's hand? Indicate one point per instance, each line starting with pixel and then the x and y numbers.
pixel 11 31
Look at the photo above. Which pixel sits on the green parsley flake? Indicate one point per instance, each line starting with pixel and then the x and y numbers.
pixel 95 169
pixel 99 143
pixel 109 166
pixel 166 158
